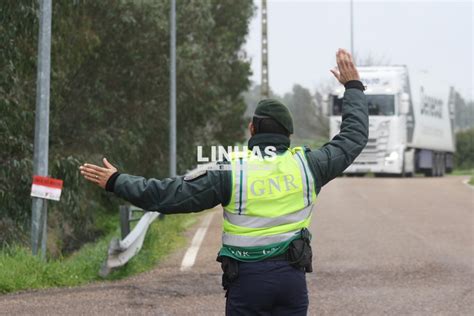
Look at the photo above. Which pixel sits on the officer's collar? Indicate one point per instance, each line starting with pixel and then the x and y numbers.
pixel 281 142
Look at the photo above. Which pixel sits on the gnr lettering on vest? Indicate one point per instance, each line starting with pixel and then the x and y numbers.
pixel 267 186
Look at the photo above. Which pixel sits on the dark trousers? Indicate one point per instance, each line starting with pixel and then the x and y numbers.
pixel 267 288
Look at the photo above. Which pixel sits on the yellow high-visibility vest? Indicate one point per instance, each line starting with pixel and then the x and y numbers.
pixel 272 199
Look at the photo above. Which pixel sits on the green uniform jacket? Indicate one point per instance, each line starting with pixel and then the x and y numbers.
pixel 179 195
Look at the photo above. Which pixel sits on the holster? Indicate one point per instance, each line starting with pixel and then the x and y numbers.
pixel 230 267
pixel 300 254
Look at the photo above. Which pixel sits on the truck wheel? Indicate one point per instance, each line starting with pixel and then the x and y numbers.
pixel 431 172
pixel 403 174
pixel 442 165
pixel 438 167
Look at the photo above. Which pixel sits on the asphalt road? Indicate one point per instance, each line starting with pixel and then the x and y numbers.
pixel 383 247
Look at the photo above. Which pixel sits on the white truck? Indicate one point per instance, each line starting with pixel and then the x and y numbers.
pixel 409 130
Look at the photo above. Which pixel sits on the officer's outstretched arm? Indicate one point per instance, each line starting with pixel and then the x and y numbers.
pixel 172 195
pixel 335 156
pixel 183 194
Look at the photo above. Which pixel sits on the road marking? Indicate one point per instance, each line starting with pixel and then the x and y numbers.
pixel 466 182
pixel 191 254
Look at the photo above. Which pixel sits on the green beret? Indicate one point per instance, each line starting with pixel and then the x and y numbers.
pixel 270 108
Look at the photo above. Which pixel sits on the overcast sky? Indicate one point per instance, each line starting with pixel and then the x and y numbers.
pixel 431 37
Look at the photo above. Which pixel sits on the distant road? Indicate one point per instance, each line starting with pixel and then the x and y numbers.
pixel 382 246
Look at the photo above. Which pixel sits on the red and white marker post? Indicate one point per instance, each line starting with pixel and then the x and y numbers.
pixel 46 188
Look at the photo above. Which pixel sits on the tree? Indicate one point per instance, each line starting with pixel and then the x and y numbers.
pixel 310 120
pixel 307 116
pixel 464 156
pixel 110 95
pixel 463 112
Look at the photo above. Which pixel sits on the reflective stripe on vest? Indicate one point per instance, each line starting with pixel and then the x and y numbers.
pixel 308 183
pixel 240 185
pixel 271 200
pixel 262 222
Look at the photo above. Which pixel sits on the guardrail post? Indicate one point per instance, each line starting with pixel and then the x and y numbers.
pixel 124 220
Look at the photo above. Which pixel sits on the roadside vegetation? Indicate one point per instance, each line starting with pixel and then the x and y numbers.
pixel 110 97
pixel 463 172
pixel 22 271
pixel 464 156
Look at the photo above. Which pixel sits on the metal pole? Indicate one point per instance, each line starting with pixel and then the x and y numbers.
pixel 172 135
pixel 352 28
pixel 124 211
pixel 40 158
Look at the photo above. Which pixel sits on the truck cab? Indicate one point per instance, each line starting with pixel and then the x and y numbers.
pixel 392 124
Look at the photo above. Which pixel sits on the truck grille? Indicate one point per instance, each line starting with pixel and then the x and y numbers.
pixel 374 151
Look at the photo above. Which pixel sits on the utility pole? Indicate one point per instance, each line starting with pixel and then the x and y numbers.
pixel 172 135
pixel 352 28
pixel 264 85
pixel 41 146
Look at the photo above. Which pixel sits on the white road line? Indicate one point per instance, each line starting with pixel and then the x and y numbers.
pixel 191 254
pixel 466 182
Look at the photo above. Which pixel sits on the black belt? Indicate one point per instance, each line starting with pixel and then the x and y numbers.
pixel 282 257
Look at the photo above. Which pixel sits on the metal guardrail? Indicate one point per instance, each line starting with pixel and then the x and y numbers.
pixel 126 217
pixel 121 251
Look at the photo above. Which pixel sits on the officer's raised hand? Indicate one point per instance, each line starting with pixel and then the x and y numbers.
pixel 346 70
pixel 96 174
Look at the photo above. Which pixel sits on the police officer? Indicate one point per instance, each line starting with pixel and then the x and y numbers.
pixel 267 202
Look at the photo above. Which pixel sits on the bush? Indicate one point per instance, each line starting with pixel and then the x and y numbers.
pixel 464 156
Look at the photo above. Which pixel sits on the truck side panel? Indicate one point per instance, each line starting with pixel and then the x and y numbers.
pixel 432 128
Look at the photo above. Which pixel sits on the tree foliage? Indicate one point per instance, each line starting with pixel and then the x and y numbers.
pixel 110 95
pixel 464 112
pixel 464 156
pixel 310 122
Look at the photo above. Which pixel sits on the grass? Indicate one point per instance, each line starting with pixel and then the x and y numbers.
pixel 20 270
pixel 463 172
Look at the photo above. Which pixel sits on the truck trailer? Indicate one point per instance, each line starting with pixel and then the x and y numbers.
pixel 410 130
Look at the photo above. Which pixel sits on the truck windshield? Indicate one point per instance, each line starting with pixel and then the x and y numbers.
pixel 379 104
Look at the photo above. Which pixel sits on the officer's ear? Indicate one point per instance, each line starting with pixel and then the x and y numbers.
pixel 251 129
